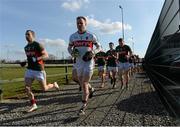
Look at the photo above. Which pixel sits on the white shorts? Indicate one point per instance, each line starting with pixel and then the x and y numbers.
pixel 38 75
pixel 139 64
pixel 101 68
pixel 131 65
pixel 84 68
pixel 114 69
pixel 123 66
pixel 74 67
pixel 135 65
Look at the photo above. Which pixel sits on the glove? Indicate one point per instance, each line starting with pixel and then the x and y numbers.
pixel 75 53
pixel 22 64
pixel 34 59
pixel 112 54
pixel 88 56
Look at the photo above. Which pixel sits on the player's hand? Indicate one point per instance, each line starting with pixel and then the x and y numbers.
pixel 113 55
pixel 75 53
pixel 88 56
pixel 34 59
pixel 127 57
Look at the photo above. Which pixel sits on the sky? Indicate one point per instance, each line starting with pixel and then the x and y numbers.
pixel 55 20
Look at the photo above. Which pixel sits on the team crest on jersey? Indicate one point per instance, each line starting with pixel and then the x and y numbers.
pixel 75 37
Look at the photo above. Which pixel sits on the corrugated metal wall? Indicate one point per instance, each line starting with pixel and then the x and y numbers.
pixel 162 59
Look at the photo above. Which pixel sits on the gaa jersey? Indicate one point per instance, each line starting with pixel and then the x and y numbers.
pixel 83 42
pixel 100 58
pixel 111 61
pixel 123 51
pixel 33 50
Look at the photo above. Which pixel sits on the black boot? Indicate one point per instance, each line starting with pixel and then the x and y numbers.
pixel 83 108
pixel 91 92
pixel 114 83
pixel 111 80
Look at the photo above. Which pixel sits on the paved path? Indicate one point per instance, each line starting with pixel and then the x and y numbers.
pixel 139 105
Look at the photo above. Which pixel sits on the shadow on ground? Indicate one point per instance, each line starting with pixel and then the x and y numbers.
pixel 144 103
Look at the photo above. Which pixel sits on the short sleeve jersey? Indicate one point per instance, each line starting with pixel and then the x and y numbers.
pixel 123 51
pixel 34 50
pixel 111 61
pixel 83 42
pixel 101 56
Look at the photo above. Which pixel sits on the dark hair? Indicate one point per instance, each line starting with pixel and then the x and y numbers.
pixel 31 31
pixel 120 40
pixel 111 43
pixel 81 17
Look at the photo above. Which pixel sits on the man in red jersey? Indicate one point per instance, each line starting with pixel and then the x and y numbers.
pixel 101 61
pixel 124 53
pixel 35 53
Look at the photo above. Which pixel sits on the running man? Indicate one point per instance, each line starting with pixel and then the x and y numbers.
pixel 35 53
pixel 101 61
pixel 83 41
pixel 124 52
pixel 111 57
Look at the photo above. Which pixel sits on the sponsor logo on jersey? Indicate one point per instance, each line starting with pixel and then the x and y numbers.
pixel 123 53
pixel 83 44
pixel 30 53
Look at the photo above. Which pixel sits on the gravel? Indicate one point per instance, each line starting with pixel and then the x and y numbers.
pixel 137 106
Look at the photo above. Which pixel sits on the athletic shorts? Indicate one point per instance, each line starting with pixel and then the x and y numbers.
pixel 38 75
pixel 139 64
pixel 123 66
pixel 114 69
pixel 84 68
pixel 101 68
pixel 131 65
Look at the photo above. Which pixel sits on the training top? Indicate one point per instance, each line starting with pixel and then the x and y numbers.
pixel 101 58
pixel 83 42
pixel 111 61
pixel 123 52
pixel 33 50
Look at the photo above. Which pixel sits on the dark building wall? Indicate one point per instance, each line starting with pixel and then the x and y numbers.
pixel 166 37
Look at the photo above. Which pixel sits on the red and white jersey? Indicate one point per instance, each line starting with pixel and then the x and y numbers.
pixel 83 42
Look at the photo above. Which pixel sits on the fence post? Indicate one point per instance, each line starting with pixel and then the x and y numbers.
pixel 66 71
pixel 1 95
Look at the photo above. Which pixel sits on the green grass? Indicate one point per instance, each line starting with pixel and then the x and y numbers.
pixel 16 89
pixel 10 73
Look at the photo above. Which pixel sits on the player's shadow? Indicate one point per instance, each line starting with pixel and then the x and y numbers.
pixel 144 103
pixel 70 119
pixel 62 100
pixel 45 113
pixel 9 106
pixel 42 99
